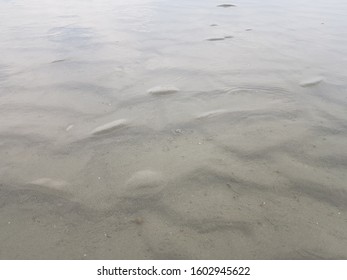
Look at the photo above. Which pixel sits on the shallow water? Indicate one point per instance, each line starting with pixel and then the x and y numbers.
pixel 173 129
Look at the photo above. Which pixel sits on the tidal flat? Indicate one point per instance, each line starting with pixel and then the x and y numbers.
pixel 189 129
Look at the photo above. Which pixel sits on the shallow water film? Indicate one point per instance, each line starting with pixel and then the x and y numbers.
pixel 157 129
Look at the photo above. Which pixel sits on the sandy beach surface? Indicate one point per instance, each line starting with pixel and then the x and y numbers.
pixel 189 129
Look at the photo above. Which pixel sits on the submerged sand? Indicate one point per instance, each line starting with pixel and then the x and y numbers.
pixel 125 133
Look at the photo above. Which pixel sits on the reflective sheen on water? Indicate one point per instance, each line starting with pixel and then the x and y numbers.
pixel 195 129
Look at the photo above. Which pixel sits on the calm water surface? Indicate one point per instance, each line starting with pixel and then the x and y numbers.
pixel 157 129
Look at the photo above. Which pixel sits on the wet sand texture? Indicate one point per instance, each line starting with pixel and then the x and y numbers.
pixel 147 129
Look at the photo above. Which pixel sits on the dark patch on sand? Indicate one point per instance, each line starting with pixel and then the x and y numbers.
pixel 226 5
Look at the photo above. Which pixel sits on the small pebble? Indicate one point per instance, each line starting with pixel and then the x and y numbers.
pixel 215 39
pixel 111 126
pixel 50 183
pixel 311 82
pixel 162 90
pixel 178 131
pixel 226 5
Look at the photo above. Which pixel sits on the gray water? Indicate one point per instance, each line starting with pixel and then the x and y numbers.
pixel 146 129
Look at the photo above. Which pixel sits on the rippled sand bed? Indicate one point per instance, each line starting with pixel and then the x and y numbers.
pixel 173 129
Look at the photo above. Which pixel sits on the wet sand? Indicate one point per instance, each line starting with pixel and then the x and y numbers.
pixel 173 130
